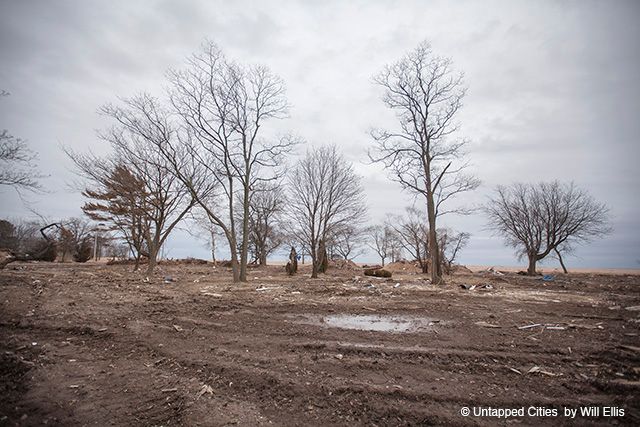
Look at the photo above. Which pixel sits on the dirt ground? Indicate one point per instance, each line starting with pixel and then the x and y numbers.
pixel 100 345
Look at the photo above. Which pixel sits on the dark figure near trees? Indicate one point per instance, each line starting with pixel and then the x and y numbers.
pixel 292 265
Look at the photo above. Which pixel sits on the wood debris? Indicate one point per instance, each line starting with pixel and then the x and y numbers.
pixel 534 325
pixel 487 325
pixel 206 389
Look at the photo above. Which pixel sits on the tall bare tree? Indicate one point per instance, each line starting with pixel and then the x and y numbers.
pixel 422 155
pixel 325 195
pixel 537 219
pixel 140 126
pixel 224 106
pixel 17 162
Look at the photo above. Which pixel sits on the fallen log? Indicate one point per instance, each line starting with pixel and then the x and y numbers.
pixel 377 272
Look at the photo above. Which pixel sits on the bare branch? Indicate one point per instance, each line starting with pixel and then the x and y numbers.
pixel 537 219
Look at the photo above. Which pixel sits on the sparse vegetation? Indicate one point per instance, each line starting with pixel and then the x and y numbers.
pixel 537 219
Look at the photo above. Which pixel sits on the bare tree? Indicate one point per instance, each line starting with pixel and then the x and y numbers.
pixel 205 230
pixel 325 195
pixel 395 246
pixel 422 154
pixel 413 235
pixel 21 237
pixel 224 106
pixel 383 240
pixel 450 244
pixel 116 249
pixel 537 219
pixel 347 242
pixel 140 126
pixel 266 206
pixel 17 162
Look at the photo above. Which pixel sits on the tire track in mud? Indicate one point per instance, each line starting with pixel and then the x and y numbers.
pixel 296 374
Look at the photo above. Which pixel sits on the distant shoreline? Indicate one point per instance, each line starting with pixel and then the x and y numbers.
pixel 631 271
pixel 515 268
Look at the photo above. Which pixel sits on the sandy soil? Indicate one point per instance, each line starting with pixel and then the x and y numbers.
pixel 99 345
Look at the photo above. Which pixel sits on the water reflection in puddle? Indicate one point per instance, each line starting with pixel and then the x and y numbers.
pixel 372 322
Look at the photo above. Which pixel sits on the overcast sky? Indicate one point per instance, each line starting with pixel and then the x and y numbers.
pixel 553 90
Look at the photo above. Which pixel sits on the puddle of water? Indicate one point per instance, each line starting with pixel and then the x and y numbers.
pixel 379 323
pixel 373 322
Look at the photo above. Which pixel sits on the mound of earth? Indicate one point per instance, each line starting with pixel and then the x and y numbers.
pixel 403 266
pixel 460 269
pixel 343 264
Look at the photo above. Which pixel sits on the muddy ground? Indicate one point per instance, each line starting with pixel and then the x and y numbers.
pixel 99 345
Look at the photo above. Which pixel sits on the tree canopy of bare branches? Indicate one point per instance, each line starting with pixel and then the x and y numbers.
pixel 450 243
pixel 347 242
pixel 325 195
pixel 384 240
pixel 266 206
pixel 223 107
pixel 136 181
pixel 537 219
pixel 422 154
pixel 17 162
pixel 412 233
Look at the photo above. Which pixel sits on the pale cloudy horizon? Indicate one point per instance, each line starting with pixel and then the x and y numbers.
pixel 553 91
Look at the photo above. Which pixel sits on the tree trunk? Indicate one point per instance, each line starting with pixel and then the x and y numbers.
pixel 245 236
pixel 232 238
pixel 434 255
pixel 235 267
pixel 313 254
pixel 382 259
pixel 564 269
pixel 153 255
pixel 314 268
pixel 321 257
pixel 233 250
pixel 531 271
pixel 434 251
pixel 424 266
pixel 293 256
